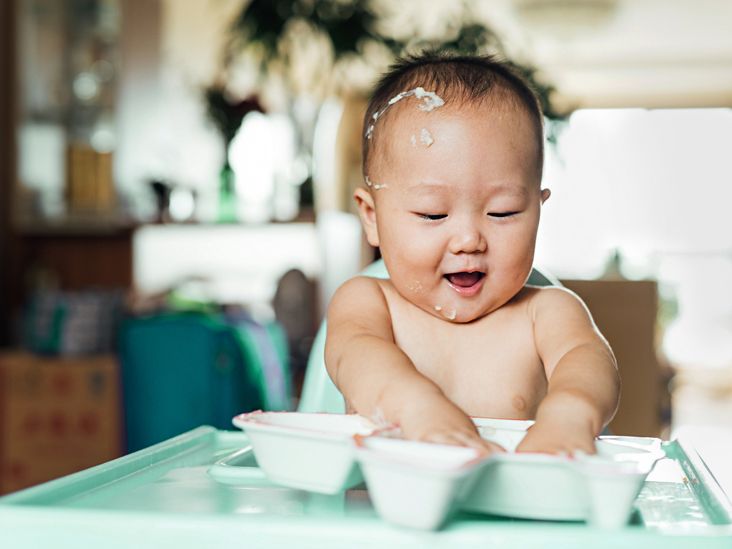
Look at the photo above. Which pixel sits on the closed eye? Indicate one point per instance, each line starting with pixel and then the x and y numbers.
pixel 432 217
pixel 502 214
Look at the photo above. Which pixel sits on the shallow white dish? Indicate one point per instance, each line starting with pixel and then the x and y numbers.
pixel 420 484
pixel 416 484
pixel 599 489
pixel 308 451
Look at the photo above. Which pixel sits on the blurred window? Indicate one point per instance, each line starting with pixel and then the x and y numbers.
pixel 648 183
pixel 652 186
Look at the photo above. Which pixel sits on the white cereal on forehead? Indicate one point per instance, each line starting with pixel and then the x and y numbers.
pixel 375 186
pixel 425 137
pixel 429 101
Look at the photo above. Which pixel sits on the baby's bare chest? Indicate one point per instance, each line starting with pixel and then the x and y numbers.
pixel 489 368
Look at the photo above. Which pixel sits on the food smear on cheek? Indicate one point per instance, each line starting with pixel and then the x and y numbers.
pixel 415 287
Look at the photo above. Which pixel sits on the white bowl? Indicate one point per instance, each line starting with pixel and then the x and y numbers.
pixel 416 484
pixel 599 489
pixel 508 433
pixel 308 451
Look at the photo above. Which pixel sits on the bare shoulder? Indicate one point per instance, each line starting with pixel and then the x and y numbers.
pixel 554 301
pixel 562 321
pixel 560 318
pixel 358 308
pixel 356 289
pixel 359 301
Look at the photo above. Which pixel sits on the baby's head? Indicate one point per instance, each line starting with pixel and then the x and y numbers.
pixel 452 160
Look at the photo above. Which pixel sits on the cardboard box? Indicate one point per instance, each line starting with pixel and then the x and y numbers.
pixel 57 416
pixel 625 311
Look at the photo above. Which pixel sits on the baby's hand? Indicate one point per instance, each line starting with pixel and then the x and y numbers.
pixel 558 437
pixel 438 420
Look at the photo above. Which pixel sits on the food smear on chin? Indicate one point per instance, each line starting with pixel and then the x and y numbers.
pixel 449 314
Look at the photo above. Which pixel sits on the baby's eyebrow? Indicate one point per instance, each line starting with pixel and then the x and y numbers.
pixel 441 188
pixel 505 188
pixel 427 188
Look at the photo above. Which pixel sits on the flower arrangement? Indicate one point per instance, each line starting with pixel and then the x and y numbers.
pixel 350 27
pixel 227 113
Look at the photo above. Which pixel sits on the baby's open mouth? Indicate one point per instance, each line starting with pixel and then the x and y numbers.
pixel 464 280
pixel 465 283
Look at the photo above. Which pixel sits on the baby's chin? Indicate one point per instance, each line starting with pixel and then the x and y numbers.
pixel 454 314
pixel 447 310
pixel 462 313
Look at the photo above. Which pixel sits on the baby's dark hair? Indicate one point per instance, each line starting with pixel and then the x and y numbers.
pixel 458 79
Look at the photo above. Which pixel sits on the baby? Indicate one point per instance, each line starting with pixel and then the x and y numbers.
pixel 452 160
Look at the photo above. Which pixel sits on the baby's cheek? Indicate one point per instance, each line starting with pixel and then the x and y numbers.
pixel 418 258
pixel 406 244
pixel 516 250
pixel 415 287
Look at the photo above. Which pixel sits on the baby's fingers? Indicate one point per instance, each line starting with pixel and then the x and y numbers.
pixel 494 447
pixel 485 447
pixel 443 438
pixel 585 446
pixel 561 448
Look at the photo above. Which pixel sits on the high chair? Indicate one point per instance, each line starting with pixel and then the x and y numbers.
pixel 319 394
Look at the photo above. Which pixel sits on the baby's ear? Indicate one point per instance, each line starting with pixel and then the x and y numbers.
pixel 545 194
pixel 367 213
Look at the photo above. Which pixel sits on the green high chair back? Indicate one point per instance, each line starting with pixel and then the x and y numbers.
pixel 319 394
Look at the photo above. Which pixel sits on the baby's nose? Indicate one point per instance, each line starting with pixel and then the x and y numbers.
pixel 469 240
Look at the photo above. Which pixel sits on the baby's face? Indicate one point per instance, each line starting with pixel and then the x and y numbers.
pixel 457 201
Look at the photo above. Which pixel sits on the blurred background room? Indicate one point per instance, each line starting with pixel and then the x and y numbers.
pixel 175 201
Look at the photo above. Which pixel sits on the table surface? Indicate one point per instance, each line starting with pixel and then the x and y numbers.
pixel 164 496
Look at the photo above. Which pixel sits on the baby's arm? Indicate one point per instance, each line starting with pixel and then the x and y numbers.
pixel 377 379
pixel 584 386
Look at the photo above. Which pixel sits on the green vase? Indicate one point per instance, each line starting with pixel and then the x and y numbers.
pixel 227 196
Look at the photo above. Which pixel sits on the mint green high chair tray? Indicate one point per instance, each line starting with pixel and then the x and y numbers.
pixel 163 496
